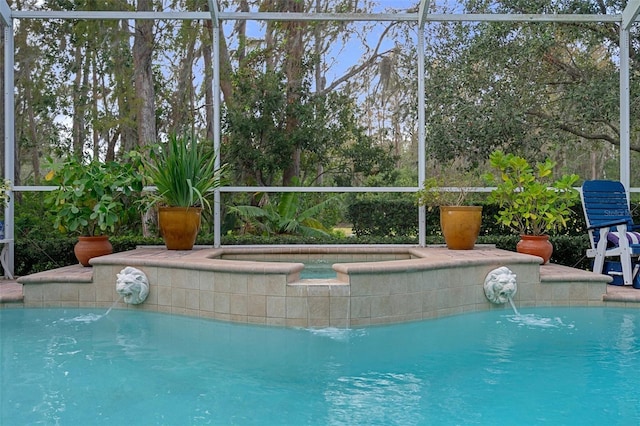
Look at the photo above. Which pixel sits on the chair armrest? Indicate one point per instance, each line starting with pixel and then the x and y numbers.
pixel 607 224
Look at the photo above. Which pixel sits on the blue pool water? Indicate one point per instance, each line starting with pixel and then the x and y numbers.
pixel 547 366
pixel 317 270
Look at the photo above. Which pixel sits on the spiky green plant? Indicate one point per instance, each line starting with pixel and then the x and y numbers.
pixel 183 173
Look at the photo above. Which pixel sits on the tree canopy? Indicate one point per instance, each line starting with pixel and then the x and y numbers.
pixel 327 103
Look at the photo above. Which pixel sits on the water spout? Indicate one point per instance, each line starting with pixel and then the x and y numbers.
pixel 514 307
pixel 88 318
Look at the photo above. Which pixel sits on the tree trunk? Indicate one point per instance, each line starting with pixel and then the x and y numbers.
pixel 294 72
pixel 78 104
pixel 182 109
pixel 143 76
pixel 124 92
pixel 208 79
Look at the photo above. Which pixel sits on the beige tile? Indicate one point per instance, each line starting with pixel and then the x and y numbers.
pixel 207 281
pixel 51 292
pixel 164 296
pixel 276 307
pixel 338 307
pixel 405 304
pixel 238 304
pixel 257 305
pixel 380 306
pixel 360 286
pixel 164 277
pixel 175 310
pixel 297 290
pixel 257 284
pixel 188 279
pixel 560 292
pixel 165 309
pixel 239 284
pixel 238 318
pixel 206 301
pixel 207 314
pixel 223 281
pixel 339 322
pixel 106 294
pixel 429 301
pixel 337 290
pixel 398 284
pixel 578 291
pixel 415 282
pixel 152 298
pixel 360 307
pixel 222 316
pixel 69 293
pixel 319 307
pixel 33 292
pixel 296 307
pixel 276 285
pixel 151 272
pixel 221 303
pixel 177 277
pixel 256 320
pixel 319 322
pixel 359 322
pixel 192 299
pixel 276 321
pixel 297 322
pixel 380 285
pixel 318 290
pixel 105 275
pixel 178 298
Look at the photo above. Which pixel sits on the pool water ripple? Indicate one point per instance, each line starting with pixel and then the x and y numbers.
pixel 567 366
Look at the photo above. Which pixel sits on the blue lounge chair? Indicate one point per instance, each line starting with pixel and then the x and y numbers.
pixel 611 228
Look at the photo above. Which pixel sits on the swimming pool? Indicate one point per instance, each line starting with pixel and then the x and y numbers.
pixel 551 365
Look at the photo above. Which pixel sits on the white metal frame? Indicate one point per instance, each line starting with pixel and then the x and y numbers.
pixel 421 17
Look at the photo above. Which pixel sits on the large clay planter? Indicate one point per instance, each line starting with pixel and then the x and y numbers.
pixel 537 245
pixel 89 247
pixel 460 226
pixel 179 226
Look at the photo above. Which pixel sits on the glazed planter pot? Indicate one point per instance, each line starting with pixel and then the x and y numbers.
pixel 179 226
pixel 460 226
pixel 89 247
pixel 537 245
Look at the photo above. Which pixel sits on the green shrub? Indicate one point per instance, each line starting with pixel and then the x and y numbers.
pixel 380 217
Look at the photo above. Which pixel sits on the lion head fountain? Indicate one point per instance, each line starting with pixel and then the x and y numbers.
pixel 500 285
pixel 132 284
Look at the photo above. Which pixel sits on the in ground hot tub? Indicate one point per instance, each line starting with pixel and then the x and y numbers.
pixel 265 285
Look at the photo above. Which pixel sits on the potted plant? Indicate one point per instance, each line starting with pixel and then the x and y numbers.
pixel 531 201
pixel 89 201
pixel 183 174
pixel 460 223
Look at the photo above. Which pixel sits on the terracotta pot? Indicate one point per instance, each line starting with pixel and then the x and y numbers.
pixel 179 226
pixel 537 245
pixel 89 247
pixel 460 226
